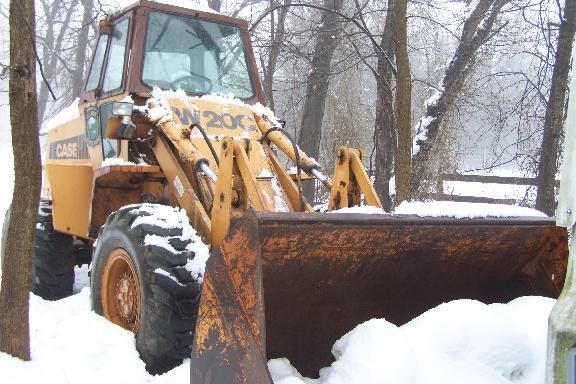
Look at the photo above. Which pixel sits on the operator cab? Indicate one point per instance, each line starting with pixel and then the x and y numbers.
pixel 158 45
pixel 154 45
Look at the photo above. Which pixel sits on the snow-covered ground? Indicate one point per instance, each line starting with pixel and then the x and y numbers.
pixel 462 341
pixel 458 342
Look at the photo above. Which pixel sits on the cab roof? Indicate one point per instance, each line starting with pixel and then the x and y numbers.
pixel 173 6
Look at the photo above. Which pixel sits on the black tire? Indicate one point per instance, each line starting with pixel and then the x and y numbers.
pixel 168 293
pixel 53 261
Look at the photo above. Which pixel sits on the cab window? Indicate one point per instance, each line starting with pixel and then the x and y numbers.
pixel 109 146
pixel 115 64
pixel 194 55
pixel 97 62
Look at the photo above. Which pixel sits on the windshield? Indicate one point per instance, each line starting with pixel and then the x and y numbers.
pixel 196 56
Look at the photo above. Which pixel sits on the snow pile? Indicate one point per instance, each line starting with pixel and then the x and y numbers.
pixel 368 209
pixel 66 115
pixel 454 209
pixel 216 97
pixel 158 93
pixel 111 161
pixel 157 110
pixel 222 98
pixel 265 113
pixel 163 216
pixel 71 344
pixel 464 210
pixel 463 341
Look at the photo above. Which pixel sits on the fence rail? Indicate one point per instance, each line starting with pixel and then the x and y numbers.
pixel 508 180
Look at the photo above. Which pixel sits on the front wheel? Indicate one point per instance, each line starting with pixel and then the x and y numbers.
pixel 145 278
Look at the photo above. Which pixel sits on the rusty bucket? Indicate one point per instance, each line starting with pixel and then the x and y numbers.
pixel 291 284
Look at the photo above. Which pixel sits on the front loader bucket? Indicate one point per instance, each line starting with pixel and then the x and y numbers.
pixel 291 284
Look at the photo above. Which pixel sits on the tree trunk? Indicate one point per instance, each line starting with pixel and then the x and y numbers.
pixel 317 85
pixel 384 126
pixel 548 166
pixel 402 104
pixel 19 246
pixel 215 4
pixel 277 32
pixel 78 74
pixel 477 30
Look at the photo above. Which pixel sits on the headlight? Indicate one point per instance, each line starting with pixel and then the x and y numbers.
pixel 122 109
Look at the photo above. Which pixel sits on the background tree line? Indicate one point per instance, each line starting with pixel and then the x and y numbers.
pixel 423 87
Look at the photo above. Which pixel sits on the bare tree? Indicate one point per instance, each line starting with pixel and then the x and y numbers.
pixel 548 166
pixel 402 103
pixel 384 126
pixel 277 34
pixel 477 30
pixel 317 84
pixel 215 4
pixel 17 258
pixel 52 43
pixel 88 18
pixel 63 32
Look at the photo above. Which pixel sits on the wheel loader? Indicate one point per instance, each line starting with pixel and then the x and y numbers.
pixel 153 133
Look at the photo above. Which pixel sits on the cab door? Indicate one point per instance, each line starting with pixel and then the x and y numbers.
pixel 104 85
pixel 72 185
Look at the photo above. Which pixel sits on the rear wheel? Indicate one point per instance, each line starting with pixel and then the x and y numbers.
pixel 140 282
pixel 54 258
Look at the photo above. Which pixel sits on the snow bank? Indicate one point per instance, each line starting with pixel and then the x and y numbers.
pixel 116 161
pixel 368 209
pixel 71 344
pixel 454 209
pixel 463 341
pixel 464 210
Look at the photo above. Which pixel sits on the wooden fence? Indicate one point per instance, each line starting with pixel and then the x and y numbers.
pixel 480 179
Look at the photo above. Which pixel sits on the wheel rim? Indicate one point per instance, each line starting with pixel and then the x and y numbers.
pixel 121 291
